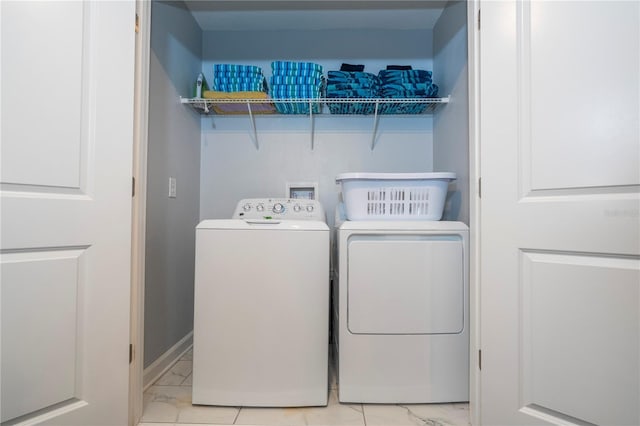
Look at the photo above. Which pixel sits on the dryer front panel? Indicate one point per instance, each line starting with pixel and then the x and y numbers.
pixel 405 284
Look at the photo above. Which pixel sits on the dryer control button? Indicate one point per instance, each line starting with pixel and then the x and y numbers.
pixel 278 208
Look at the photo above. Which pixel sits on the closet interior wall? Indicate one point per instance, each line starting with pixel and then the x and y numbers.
pixel 215 158
pixel 173 151
pixel 451 123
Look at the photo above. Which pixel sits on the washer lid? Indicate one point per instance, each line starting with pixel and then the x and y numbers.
pixel 262 225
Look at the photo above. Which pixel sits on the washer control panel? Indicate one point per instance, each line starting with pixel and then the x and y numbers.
pixel 279 209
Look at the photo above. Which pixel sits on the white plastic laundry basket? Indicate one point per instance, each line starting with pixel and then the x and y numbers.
pixel 394 196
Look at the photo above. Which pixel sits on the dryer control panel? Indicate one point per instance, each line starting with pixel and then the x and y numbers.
pixel 279 209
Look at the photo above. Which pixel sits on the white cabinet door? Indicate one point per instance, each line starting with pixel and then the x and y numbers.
pixel 560 212
pixel 67 126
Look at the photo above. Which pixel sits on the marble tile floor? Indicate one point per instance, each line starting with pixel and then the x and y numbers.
pixel 168 402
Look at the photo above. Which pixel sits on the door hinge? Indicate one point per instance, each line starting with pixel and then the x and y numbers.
pixel 137 24
pixel 479 359
pixel 480 188
pixel 478 19
pixel 130 353
pixel 133 186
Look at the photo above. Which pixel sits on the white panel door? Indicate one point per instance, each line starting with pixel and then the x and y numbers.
pixel 67 126
pixel 560 212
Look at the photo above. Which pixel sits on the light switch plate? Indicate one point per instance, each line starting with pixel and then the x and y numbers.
pixel 172 187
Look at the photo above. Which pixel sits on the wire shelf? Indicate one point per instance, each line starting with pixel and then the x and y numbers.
pixel 312 107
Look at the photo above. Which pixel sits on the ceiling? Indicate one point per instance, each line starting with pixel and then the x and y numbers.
pixel 266 15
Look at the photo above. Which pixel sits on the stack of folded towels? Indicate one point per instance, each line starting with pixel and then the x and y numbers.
pixel 352 84
pixel 238 78
pixel 296 80
pixel 232 81
pixel 406 83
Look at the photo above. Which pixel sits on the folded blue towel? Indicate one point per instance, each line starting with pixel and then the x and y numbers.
pixel 285 91
pixel 299 66
pixel 351 94
pixel 239 87
pixel 350 86
pixel 299 73
pixel 239 79
pixel 406 86
pixel 295 80
pixel 247 69
pixel 430 92
pixel 362 81
pixel 399 74
pixel 346 75
pixel 233 74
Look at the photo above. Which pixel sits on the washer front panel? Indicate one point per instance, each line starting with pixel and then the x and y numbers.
pixel 261 317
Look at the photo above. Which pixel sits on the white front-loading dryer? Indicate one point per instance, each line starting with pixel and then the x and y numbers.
pixel 261 312
pixel 403 303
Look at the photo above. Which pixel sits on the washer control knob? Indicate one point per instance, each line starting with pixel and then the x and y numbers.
pixel 260 207
pixel 278 208
pixel 297 208
pixel 246 207
pixel 310 208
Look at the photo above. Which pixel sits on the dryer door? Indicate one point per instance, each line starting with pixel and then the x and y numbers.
pixel 405 284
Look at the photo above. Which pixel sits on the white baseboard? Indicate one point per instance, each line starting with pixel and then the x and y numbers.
pixel 161 365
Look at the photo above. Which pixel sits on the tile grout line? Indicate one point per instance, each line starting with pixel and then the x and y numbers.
pixel 364 417
pixel 237 415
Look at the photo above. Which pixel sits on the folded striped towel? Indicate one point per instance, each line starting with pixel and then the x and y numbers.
pixel 286 91
pixel 295 79
pixel 298 66
pixel 228 74
pixel 238 87
pixel 299 73
pixel 239 79
pixel 243 69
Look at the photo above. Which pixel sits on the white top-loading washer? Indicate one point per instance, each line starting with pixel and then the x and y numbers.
pixel 262 305
pixel 403 311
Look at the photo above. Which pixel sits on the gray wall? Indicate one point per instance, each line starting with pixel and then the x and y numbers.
pixel 232 167
pixel 174 150
pixel 451 124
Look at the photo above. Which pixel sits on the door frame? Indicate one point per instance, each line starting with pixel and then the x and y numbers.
pixel 473 67
pixel 141 126
pixel 139 209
